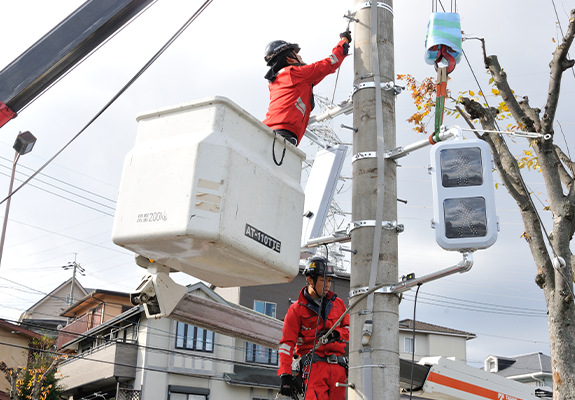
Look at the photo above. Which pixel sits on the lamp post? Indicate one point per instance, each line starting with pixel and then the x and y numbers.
pixel 23 145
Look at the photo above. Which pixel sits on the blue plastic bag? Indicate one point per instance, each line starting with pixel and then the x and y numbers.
pixel 443 29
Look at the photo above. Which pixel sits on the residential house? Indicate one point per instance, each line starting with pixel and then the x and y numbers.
pixel 44 316
pixel 533 369
pixel 432 340
pixel 133 357
pixel 95 308
pixel 14 343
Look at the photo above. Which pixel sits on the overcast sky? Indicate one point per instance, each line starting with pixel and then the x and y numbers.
pixel 221 53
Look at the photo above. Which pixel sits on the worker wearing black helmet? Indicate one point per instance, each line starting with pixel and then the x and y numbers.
pixel 291 83
pixel 306 321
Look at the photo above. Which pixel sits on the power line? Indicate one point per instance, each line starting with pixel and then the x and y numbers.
pixel 71 238
pixel 67 198
pixel 61 181
pixel 146 368
pixel 456 306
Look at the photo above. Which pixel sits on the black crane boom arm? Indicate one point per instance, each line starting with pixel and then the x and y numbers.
pixel 60 49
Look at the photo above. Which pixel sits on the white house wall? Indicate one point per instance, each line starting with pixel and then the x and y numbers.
pixel 448 346
pixel 433 344
pixel 195 369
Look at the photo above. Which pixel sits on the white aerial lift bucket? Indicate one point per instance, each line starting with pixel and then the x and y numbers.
pixel 201 194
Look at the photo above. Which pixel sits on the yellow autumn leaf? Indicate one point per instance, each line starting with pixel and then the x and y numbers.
pixel 495 91
pixel 471 93
pixel 553 40
pixel 480 93
pixel 504 107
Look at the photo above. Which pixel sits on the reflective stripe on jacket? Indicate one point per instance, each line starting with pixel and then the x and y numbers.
pixel 291 91
pixel 300 326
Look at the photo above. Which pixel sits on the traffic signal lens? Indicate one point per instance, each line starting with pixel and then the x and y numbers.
pixel 461 167
pixel 465 217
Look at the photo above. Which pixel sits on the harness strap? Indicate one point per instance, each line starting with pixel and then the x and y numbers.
pixel 330 359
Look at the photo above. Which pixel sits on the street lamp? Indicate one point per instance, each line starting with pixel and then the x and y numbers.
pixel 23 145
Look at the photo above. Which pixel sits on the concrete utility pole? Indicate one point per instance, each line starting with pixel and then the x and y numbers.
pixel 374 361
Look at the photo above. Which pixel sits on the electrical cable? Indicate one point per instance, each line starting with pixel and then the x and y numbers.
pixel 413 343
pixel 68 198
pixel 116 96
pixel 58 180
pixel 142 368
pixel 121 251
pixel 162 332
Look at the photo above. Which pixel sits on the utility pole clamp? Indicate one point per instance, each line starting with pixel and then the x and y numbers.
pixel 367 4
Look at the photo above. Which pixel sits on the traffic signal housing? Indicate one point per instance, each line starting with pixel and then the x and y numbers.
pixel 463 195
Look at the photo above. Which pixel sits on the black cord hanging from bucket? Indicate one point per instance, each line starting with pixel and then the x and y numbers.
pixel 274 151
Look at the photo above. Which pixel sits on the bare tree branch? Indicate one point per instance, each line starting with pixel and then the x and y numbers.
pixel 559 64
pixel 565 159
pixel 532 113
pixel 500 78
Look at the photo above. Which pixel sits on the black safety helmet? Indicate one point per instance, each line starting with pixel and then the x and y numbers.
pixel 318 266
pixel 273 49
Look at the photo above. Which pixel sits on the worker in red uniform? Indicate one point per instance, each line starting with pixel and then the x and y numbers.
pixel 291 83
pixel 315 312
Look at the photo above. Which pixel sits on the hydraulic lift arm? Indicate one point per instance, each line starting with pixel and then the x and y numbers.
pixel 59 50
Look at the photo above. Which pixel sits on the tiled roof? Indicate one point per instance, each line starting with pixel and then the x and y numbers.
pixel 526 364
pixel 17 328
pixel 407 324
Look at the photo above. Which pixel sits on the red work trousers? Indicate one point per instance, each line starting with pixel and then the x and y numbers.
pixel 322 380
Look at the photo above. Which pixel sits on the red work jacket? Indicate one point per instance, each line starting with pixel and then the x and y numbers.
pixel 291 91
pixel 300 325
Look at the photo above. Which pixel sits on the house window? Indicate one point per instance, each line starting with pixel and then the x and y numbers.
pixel 193 338
pixel 187 393
pixel 409 345
pixel 260 354
pixel 492 366
pixel 265 307
pixel 183 396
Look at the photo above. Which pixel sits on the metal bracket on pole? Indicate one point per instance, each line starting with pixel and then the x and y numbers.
pixel 391 225
pixel 340 236
pixel 367 4
pixel 345 107
pixel 444 134
pixel 384 86
pixel 404 285
pixel 361 156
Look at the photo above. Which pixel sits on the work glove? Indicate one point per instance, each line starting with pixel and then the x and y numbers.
pixel 332 337
pixel 287 386
pixel 347 35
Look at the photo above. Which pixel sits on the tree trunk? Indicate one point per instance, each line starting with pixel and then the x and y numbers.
pixel 554 271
